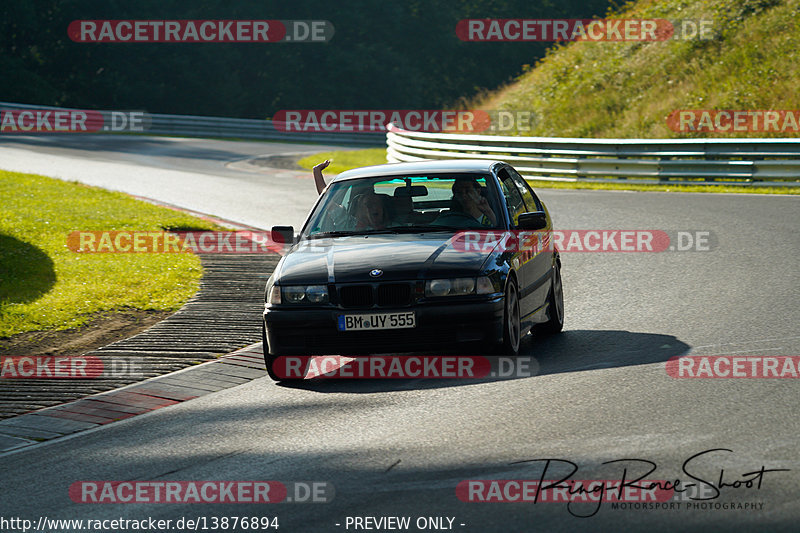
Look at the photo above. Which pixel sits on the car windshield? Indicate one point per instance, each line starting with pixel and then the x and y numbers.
pixel 404 204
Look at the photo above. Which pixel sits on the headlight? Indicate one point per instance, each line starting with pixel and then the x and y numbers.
pixel 463 286
pixel 314 294
pixel 294 295
pixel 317 294
pixel 450 287
pixel 437 287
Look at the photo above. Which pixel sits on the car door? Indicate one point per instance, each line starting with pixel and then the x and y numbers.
pixel 520 258
pixel 538 261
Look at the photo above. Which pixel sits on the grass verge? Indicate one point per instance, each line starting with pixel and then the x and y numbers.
pixel 747 61
pixel 45 286
pixel 345 160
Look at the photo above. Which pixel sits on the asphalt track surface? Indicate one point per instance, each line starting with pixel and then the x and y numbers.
pixel 400 447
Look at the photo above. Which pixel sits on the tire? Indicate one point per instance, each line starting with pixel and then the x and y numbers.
pixel 269 360
pixel 512 328
pixel 555 299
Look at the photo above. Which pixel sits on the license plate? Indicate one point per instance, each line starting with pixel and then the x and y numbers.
pixel 377 321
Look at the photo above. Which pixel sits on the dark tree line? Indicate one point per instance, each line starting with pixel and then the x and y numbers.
pixel 385 54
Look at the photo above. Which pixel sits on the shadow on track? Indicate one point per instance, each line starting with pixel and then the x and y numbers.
pixel 570 351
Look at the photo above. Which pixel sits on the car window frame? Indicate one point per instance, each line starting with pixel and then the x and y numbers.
pixel 521 183
pixel 512 219
pixel 489 177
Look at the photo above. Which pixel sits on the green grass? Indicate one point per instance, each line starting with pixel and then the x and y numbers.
pixel 346 160
pixel 627 90
pixel 45 286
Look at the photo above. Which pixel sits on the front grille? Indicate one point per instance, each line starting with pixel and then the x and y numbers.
pixel 393 294
pixel 376 294
pixel 356 296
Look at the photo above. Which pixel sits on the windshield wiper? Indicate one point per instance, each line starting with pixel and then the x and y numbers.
pixel 350 233
pixel 339 233
pixel 421 229
pixel 391 230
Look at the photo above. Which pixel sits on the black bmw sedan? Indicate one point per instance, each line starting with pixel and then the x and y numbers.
pixel 416 256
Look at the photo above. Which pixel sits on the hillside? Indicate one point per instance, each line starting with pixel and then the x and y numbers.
pixel 628 89
pixel 392 54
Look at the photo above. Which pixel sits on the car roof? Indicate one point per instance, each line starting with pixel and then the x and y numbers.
pixel 418 167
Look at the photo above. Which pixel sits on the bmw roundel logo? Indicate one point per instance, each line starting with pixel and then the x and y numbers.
pixel 376 272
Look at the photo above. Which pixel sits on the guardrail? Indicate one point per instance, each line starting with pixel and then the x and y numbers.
pixel 240 128
pixel 692 161
pixel 774 162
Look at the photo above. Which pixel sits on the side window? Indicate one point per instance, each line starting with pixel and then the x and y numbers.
pixel 516 206
pixel 531 201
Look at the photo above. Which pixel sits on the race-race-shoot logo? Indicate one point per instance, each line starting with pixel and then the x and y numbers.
pixel 709 474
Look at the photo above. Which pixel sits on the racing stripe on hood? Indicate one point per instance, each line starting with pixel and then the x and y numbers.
pixel 331 267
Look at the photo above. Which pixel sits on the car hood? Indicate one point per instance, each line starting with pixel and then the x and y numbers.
pixel 400 257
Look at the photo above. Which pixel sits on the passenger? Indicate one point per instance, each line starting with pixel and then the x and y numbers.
pixel 467 198
pixel 319 181
pixel 369 212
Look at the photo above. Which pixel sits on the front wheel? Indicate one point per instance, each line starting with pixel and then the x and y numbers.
pixel 512 329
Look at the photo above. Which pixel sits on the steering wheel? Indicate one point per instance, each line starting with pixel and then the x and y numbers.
pixel 455 218
pixel 337 218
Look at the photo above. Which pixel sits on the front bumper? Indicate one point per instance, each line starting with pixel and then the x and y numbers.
pixel 439 326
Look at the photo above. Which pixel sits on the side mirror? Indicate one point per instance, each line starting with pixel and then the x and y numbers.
pixel 533 221
pixel 283 235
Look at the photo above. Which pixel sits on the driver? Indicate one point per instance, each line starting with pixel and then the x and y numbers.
pixel 467 199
